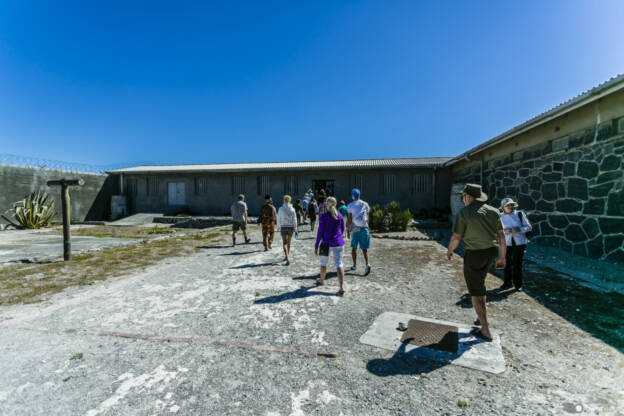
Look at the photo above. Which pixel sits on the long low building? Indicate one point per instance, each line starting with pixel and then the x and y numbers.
pixel 565 167
pixel 415 183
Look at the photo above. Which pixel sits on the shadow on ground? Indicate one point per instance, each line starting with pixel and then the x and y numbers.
pixel 407 363
pixel 316 276
pixel 251 266
pixel 303 292
pixel 599 313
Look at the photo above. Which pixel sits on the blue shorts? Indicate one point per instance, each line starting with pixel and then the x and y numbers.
pixel 361 237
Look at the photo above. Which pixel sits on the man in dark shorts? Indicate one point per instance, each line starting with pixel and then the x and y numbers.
pixel 239 218
pixel 268 217
pixel 480 227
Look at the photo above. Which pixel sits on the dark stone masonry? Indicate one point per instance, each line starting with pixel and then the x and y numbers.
pixel 574 198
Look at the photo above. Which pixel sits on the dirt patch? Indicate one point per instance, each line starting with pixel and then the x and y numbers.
pixel 28 283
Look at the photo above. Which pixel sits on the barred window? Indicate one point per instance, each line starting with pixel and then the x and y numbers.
pixel 291 186
pixel 132 187
pixel 388 183
pixel 201 186
pixel 238 185
pixel 357 181
pixel 264 185
pixel 152 186
pixel 420 183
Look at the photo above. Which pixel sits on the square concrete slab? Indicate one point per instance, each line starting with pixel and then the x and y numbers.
pixel 471 352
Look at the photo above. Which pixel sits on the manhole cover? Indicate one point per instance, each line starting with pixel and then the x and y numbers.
pixel 429 335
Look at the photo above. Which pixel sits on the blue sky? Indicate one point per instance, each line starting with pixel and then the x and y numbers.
pixel 185 82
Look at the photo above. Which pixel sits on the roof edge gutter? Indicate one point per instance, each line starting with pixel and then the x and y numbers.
pixel 546 117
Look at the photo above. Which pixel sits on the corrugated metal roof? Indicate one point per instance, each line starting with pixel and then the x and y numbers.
pixel 583 98
pixel 428 162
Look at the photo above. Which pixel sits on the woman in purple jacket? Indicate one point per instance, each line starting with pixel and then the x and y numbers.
pixel 329 237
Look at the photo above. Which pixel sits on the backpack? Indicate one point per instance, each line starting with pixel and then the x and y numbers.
pixel 528 234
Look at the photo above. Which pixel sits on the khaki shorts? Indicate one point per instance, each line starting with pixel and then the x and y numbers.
pixel 477 263
pixel 238 225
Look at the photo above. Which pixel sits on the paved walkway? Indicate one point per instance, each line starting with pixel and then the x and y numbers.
pixel 234 331
pixel 28 245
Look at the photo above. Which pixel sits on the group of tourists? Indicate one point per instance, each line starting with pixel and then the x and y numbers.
pixel 482 228
pixel 334 222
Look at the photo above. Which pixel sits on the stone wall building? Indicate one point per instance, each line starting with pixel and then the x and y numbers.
pixel 565 168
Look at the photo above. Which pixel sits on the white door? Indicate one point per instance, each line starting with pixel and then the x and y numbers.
pixel 177 195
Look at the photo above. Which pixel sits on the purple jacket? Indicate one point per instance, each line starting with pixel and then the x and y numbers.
pixel 330 230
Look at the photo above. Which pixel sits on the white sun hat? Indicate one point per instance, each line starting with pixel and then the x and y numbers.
pixel 508 201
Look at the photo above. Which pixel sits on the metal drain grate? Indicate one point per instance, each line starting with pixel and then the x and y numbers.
pixel 429 335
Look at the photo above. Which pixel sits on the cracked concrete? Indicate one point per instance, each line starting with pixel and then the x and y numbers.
pixel 244 297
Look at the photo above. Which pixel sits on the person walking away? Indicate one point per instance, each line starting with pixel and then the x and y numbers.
pixel 357 229
pixel 268 217
pixel 238 210
pixel 329 237
pixel 299 211
pixel 479 226
pixel 304 205
pixel 515 226
pixel 342 209
pixel 312 213
pixel 287 225
pixel 322 205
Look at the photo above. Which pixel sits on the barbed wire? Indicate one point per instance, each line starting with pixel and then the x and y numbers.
pixel 33 162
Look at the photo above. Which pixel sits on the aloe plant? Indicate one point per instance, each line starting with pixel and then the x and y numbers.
pixel 34 211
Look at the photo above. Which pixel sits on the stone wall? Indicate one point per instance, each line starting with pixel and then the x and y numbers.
pixel 574 197
pixel 90 202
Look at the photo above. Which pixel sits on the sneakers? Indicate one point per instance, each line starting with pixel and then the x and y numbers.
pixel 247 240
pixel 367 270
pixel 353 267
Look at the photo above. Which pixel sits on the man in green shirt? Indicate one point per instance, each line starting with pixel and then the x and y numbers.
pixel 479 226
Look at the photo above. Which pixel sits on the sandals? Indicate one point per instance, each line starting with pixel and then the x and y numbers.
pixel 319 282
pixel 477 322
pixel 477 333
pixel 341 293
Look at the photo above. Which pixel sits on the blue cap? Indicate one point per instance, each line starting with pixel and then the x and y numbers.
pixel 355 193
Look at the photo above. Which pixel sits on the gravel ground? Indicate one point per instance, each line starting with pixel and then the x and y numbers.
pixel 257 325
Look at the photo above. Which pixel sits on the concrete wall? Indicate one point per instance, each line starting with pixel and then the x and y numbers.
pixel 89 202
pixel 574 195
pixel 148 193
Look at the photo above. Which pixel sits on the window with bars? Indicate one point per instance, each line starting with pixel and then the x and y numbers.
pixel 201 186
pixel 388 184
pixel 357 181
pixel 420 183
pixel 291 186
pixel 132 187
pixel 238 185
pixel 264 185
pixel 152 186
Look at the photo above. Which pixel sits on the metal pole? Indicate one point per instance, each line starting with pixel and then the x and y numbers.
pixel 65 203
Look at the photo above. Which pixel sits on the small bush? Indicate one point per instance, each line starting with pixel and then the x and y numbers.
pixel 389 218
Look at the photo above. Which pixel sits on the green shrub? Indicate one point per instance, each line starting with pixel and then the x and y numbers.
pixel 389 218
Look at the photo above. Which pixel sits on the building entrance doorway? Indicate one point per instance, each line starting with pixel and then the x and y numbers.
pixel 327 184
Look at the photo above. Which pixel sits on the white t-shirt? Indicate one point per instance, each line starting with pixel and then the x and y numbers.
pixel 359 213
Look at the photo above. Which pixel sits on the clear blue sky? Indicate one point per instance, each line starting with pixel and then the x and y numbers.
pixel 184 82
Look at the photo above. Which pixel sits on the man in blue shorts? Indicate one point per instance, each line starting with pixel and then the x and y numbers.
pixel 357 229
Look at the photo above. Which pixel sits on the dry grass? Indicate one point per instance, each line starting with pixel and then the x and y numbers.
pixel 28 283
pixel 106 231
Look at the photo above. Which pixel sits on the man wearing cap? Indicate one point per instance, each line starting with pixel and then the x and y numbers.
pixel 357 229
pixel 479 226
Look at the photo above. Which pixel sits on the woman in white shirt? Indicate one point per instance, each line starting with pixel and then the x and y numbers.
pixel 515 225
pixel 287 225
